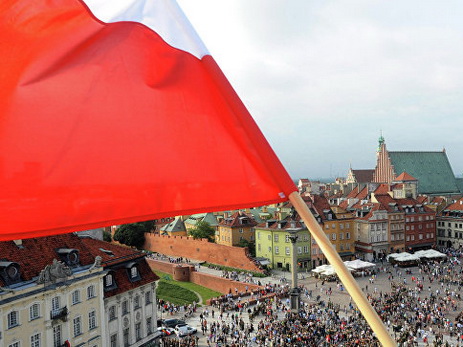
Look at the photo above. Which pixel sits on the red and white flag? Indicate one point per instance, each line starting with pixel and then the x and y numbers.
pixel 112 111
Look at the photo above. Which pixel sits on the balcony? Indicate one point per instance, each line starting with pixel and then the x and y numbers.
pixel 59 313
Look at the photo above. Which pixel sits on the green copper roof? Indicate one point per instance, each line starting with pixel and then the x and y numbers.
pixel 460 184
pixel 431 169
pixel 175 225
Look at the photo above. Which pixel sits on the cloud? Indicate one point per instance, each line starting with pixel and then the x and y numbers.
pixel 327 76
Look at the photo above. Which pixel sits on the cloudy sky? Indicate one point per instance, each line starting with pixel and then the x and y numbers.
pixel 322 78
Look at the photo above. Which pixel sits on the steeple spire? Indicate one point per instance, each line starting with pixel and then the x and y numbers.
pixel 380 141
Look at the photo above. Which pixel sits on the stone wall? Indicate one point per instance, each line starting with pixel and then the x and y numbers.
pixel 202 250
pixel 219 284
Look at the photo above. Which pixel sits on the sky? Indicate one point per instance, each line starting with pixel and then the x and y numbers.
pixel 324 78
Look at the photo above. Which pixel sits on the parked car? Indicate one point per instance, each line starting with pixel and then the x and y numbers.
pixel 172 323
pixel 184 330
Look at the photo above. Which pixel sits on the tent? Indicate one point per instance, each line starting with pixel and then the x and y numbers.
pixel 357 264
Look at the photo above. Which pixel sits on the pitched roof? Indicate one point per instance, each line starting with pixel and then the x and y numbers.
pixel 432 169
pixel 285 224
pixel 175 226
pixel 363 176
pixel 383 188
pixel 405 177
pixel 34 254
pixel 238 219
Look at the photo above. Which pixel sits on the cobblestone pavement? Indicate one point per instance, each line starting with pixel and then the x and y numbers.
pixel 338 296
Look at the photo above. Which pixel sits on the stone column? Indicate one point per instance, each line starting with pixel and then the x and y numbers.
pixel 295 294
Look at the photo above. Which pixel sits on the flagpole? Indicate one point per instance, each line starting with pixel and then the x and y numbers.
pixel 341 270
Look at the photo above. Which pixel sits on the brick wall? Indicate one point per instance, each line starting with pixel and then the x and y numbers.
pixel 183 246
pixel 219 284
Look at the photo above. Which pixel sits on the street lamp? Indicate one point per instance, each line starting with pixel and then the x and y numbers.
pixel 295 293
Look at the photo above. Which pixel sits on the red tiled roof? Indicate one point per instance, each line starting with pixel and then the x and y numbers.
pixel 238 219
pixel 405 177
pixel 39 252
pixel 456 206
pixel 363 176
pixel 287 223
pixel 35 254
pixel 382 189
pixel 353 193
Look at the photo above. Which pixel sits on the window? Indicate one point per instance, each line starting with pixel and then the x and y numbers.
pixel 420 236
pixel 347 225
pixel 112 312
pixel 287 238
pixel 306 249
pixel 91 320
pixel 333 236
pixel 75 297
pixel 15 344
pixel 136 302
pixel 13 319
pixel 347 236
pixel 148 298
pixel 241 230
pixel 269 237
pixel 35 340
pixel 275 237
pixel 91 292
pixel 341 226
pixel 77 324
pixel 277 250
pixel 299 250
pixel 57 336
pixel 258 247
pixel 270 249
pixel 113 340
pixel 133 272
pixel 125 307
pixel 108 280
pixel 287 251
pixel 34 311
pixel 258 235
pixel 341 236
pixel 125 335
pixel 55 303
pixel 138 331
pixel 149 326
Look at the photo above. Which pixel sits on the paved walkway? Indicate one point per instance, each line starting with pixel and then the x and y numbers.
pixel 327 292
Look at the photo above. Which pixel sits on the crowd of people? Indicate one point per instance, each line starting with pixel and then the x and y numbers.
pixel 421 307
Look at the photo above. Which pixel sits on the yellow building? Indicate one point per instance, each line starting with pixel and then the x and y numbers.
pixel 232 230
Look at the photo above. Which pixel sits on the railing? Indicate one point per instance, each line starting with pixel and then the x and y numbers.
pixel 59 313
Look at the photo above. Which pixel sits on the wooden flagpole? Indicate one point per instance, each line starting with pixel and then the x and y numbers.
pixel 341 270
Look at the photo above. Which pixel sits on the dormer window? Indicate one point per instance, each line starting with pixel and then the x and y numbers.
pixel 109 281
pixel 69 256
pixel 10 272
pixel 133 273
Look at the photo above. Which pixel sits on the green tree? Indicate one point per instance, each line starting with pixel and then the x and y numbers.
pixel 203 230
pixel 251 246
pixel 107 236
pixel 132 234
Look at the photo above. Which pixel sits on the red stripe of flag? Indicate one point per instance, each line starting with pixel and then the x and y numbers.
pixel 107 124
